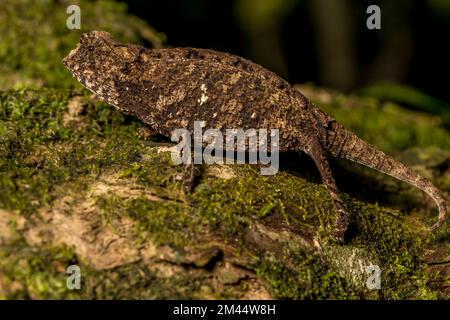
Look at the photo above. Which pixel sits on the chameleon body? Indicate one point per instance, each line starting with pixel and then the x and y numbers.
pixel 171 88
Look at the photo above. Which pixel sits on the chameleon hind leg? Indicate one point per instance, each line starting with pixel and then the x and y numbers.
pixel 342 220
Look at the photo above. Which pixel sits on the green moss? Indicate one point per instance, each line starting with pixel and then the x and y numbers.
pixel 386 235
pixel 136 281
pixel 33 42
pixel 157 171
pixel 409 96
pixel 35 273
pixel 159 222
pixel 228 204
pixel 309 279
pixel 42 153
pixel 384 124
pixel 383 232
pixel 390 128
pixel 40 273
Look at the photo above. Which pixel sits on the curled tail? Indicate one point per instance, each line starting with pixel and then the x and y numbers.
pixel 342 143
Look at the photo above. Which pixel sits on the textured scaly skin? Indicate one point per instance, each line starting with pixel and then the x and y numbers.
pixel 171 88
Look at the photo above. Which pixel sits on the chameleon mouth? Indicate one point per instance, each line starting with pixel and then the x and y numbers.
pixel 67 60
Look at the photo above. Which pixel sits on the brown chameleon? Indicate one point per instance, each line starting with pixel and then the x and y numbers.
pixel 171 88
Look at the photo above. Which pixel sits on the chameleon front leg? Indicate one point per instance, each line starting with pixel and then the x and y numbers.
pixel 146 132
pixel 342 220
pixel 188 178
pixel 191 175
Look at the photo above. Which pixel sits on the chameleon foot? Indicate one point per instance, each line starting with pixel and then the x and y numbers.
pixel 340 226
pixel 191 176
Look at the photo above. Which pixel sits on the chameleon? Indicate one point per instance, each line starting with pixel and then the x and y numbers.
pixel 170 88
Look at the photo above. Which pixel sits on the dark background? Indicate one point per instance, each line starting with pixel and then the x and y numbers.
pixel 321 41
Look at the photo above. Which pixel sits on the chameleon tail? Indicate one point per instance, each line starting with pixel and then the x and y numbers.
pixel 345 144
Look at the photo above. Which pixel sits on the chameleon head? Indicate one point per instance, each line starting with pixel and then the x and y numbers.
pixel 87 59
pixel 96 63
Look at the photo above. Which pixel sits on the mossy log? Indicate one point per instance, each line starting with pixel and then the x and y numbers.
pixel 80 185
